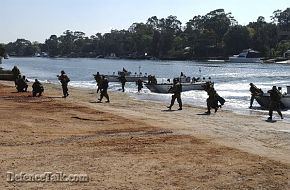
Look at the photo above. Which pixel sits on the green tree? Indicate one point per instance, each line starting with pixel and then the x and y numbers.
pixel 218 22
pixel 236 39
pixel 205 33
pixel 97 44
pixel 2 50
pixel 282 19
pixel 142 36
pixel 169 29
pixel 66 46
pixel 153 24
pixel 264 36
pixel 281 48
pixel 52 45
pixel 20 47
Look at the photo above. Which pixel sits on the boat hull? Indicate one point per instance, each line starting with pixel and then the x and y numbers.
pixel 244 60
pixel 114 78
pixel 264 101
pixel 164 88
pixel 6 75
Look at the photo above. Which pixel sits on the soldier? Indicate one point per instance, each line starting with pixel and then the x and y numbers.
pixel 254 92
pixel 21 84
pixel 213 100
pixel 37 88
pixel 139 84
pixel 63 78
pixel 123 81
pixel 207 86
pixel 275 102
pixel 104 89
pixel 176 89
pixel 16 73
pixel 98 79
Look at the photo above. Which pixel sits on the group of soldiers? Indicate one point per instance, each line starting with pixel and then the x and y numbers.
pixel 22 85
pixel 102 86
pixel 214 101
pixel 122 79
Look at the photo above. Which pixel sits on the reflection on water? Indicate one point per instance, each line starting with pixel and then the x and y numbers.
pixel 231 79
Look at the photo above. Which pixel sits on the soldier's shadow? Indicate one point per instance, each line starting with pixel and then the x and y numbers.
pixel 202 114
pixel 169 110
pixel 271 120
pixel 54 97
pixel 95 102
pixel 15 92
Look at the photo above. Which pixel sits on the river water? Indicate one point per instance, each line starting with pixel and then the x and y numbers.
pixel 231 79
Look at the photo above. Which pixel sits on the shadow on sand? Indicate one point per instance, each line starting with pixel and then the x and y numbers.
pixel 271 120
pixel 54 97
pixel 168 110
pixel 202 114
pixel 95 102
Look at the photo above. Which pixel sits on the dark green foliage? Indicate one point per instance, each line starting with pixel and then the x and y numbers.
pixel 2 50
pixel 236 34
pixel 21 47
pixel 216 34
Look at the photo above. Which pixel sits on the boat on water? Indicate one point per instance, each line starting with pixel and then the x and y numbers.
pixel 264 99
pixel 164 87
pixel 6 75
pixel 129 76
pixel 247 56
pixel 187 85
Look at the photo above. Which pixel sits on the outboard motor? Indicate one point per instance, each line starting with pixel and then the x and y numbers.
pixel 288 89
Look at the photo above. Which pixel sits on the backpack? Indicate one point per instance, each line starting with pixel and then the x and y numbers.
pixel 67 80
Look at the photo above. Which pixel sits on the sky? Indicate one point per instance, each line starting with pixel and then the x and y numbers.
pixel 36 20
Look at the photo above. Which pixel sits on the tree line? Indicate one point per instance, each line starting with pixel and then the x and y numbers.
pixel 216 34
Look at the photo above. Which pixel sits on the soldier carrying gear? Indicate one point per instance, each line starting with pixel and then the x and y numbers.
pixel 21 84
pixel 104 89
pixel 275 102
pixel 16 73
pixel 254 92
pixel 123 81
pixel 98 79
pixel 213 100
pixel 176 89
pixel 64 80
pixel 139 83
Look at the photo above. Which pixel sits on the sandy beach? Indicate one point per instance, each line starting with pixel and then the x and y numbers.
pixel 133 144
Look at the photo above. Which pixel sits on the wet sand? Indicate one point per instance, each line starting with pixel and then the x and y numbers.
pixel 130 144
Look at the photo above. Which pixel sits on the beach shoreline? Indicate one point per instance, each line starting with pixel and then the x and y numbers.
pixel 135 144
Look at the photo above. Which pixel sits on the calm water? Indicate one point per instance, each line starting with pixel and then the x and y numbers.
pixel 231 79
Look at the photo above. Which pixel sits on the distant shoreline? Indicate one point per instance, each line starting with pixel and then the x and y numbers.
pixel 278 60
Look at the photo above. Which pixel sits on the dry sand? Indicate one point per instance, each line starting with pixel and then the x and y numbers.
pixel 130 144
